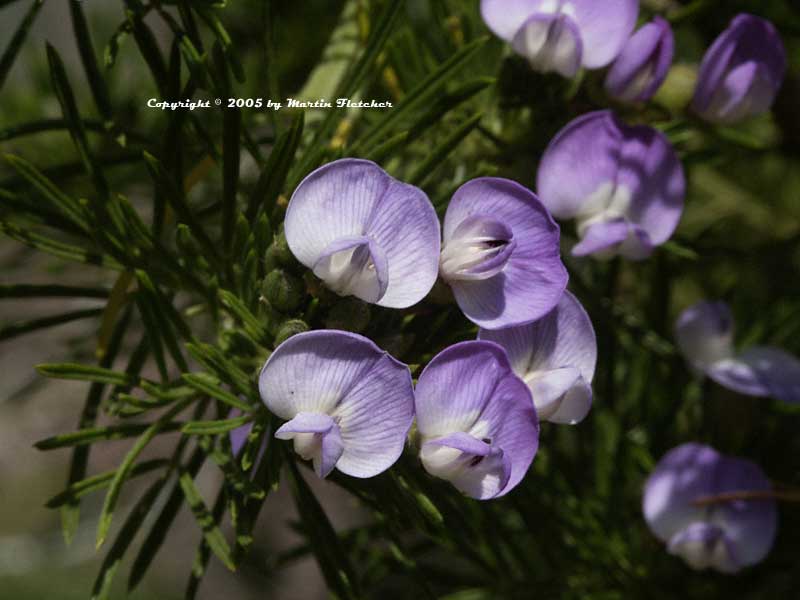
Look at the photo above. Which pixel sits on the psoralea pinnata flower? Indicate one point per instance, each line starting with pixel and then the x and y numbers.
pixel 476 421
pixel 642 66
pixel 623 184
pixel 742 71
pixel 711 510
pixel 364 233
pixel 238 439
pixel 556 357
pixel 348 403
pixel 704 333
pixel 500 253
pixel 563 35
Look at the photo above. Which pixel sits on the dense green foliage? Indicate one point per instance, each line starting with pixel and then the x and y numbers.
pixel 185 208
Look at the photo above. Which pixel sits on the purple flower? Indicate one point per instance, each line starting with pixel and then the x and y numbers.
pixel 556 357
pixel 501 254
pixel 702 505
pixel 742 71
pixel 563 35
pixel 348 403
pixel 642 66
pixel 623 184
pixel 238 438
pixel 704 333
pixel 364 233
pixel 477 424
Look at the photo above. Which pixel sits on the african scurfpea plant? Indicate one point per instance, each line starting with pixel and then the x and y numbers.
pixel 245 249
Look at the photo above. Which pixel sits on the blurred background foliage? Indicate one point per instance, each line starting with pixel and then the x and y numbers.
pixel 94 183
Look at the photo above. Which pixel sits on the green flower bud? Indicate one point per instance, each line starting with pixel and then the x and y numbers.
pixel 288 329
pixel 349 314
pixel 285 292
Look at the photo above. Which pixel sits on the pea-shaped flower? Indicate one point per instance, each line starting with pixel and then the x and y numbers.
pixel 476 421
pixel 563 35
pixel 742 71
pixel 501 254
pixel 642 66
pixel 364 233
pixel 704 333
pixel 624 185
pixel 556 357
pixel 348 403
pixel 711 510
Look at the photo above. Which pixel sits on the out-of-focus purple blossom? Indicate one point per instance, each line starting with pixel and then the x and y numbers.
pixel 563 35
pixel 500 254
pixel 364 233
pixel 556 357
pixel 348 404
pixel 704 333
pixel 238 438
pixel 623 184
pixel 642 66
pixel 711 510
pixel 742 71
pixel 476 421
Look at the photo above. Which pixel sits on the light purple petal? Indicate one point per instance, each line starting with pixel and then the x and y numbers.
pixel 354 266
pixel 605 27
pixel 505 17
pixel 742 71
pixel 575 404
pixel 642 66
pixel 470 388
pixel 602 236
pixel 581 158
pixel 688 488
pixel 681 477
pixel 704 333
pixel 551 43
pixel 353 198
pixel 760 371
pixel 316 437
pixel 345 377
pixel 563 341
pixel 704 546
pixel 599 170
pixel 533 279
pixel 750 525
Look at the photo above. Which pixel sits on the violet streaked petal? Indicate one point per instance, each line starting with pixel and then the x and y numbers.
pixel 724 80
pixel 346 379
pixel 550 43
pixel 760 371
pixel 563 341
pixel 533 279
pixel 642 66
pixel 352 198
pixel 702 546
pixel 704 334
pixel 470 389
